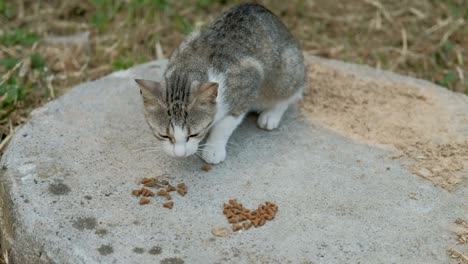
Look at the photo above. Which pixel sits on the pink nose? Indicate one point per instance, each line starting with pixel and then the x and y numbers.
pixel 179 151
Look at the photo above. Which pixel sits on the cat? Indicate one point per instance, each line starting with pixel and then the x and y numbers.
pixel 245 60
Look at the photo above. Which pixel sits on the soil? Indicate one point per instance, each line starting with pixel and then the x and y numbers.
pixel 392 115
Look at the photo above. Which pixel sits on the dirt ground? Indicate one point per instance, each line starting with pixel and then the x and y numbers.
pixel 392 115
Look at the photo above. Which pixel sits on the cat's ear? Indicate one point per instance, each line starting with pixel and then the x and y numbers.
pixel 150 91
pixel 207 92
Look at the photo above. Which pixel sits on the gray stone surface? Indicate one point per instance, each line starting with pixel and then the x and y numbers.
pixel 68 173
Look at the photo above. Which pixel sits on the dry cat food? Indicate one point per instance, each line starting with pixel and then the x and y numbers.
pixel 150 184
pixel 144 201
pixel 164 189
pixel 143 191
pixel 243 218
pixel 182 191
pixel 246 225
pixel 236 227
pixel 145 180
pixel 206 167
pixel 168 205
pixel 162 192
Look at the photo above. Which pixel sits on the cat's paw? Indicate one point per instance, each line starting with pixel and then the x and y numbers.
pixel 214 154
pixel 269 120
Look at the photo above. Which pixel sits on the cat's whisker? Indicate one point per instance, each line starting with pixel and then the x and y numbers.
pixel 201 155
pixel 147 149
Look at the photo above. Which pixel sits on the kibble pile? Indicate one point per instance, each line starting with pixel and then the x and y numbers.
pixel 236 214
pixel 241 217
pixel 164 190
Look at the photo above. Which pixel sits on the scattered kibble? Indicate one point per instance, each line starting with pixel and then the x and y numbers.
pixel 145 192
pixel 236 227
pixel 150 184
pixel 182 192
pixel 162 192
pixel 145 180
pixel 168 205
pixel 206 167
pixel 144 201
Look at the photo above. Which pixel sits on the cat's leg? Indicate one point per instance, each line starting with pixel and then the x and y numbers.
pixel 215 148
pixel 290 79
pixel 270 118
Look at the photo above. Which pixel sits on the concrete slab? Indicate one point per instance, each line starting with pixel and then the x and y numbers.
pixel 68 173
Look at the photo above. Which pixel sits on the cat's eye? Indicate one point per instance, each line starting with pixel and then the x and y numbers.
pixel 163 136
pixel 192 136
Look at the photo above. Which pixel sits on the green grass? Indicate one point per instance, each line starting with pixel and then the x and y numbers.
pixel 8 63
pixel 18 37
pixel 15 89
pixel 37 62
pixel 122 64
pixel 7 10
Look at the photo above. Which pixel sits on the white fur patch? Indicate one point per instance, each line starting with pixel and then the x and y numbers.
pixel 215 150
pixel 221 107
pixel 180 140
pixel 179 134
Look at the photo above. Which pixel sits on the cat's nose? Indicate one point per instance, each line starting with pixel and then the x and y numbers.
pixel 179 151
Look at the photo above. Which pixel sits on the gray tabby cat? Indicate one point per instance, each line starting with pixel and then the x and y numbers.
pixel 246 60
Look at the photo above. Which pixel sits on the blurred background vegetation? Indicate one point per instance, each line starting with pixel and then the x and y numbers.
pixel 48 46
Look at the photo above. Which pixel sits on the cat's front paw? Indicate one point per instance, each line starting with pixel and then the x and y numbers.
pixel 269 120
pixel 214 154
